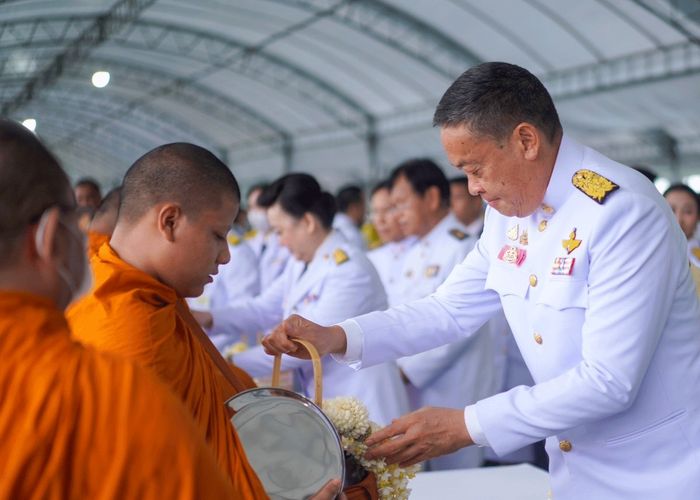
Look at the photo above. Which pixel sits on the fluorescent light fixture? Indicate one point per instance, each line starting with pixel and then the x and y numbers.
pixel 30 123
pixel 100 79
pixel 694 182
pixel 662 184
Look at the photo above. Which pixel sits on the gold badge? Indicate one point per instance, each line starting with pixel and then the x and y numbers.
pixel 513 232
pixel 233 240
pixel 340 257
pixel 593 185
pixel 431 271
pixel 460 235
pixel 523 238
pixel 572 243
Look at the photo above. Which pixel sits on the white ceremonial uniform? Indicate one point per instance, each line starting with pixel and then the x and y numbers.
pixel 451 375
pixel 388 260
pixel 345 226
pixel 339 282
pixel 603 310
pixel 272 256
pixel 236 280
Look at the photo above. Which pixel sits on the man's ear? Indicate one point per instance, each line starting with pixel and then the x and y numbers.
pixel 528 140
pixel 432 198
pixel 169 220
pixel 44 236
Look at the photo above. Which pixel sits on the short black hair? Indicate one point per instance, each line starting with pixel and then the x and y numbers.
pixel 347 196
pixel 493 98
pixel 89 182
pixel 299 194
pixel 422 174
pixel 181 172
pixel 383 184
pixel 684 188
pixel 255 187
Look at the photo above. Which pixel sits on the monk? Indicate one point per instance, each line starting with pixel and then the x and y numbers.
pixel 104 220
pixel 75 423
pixel 177 205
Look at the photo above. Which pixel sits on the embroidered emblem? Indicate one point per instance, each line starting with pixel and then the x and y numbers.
pixel 460 235
pixel 340 257
pixel 431 271
pixel 593 185
pixel 513 232
pixel 563 266
pixel 512 255
pixel 233 240
pixel 572 243
pixel 523 238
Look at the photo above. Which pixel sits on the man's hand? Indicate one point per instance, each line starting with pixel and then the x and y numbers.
pixel 329 491
pixel 205 319
pixel 419 436
pixel 326 339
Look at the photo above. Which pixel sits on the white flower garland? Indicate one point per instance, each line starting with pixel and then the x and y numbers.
pixel 351 419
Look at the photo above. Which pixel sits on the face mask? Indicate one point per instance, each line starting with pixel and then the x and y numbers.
pixel 258 220
pixel 77 289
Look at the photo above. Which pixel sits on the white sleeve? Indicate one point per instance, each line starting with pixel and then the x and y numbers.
pixel 455 311
pixel 242 277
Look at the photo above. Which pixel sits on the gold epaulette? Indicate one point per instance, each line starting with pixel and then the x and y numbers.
pixel 460 235
pixel 593 185
pixel 340 257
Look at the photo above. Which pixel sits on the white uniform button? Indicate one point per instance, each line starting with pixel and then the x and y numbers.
pixel 533 280
pixel 565 445
pixel 538 338
pixel 542 226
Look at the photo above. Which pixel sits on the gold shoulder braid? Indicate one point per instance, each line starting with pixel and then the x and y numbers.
pixel 340 257
pixel 593 185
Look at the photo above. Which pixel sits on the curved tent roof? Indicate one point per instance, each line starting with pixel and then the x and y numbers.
pixel 343 89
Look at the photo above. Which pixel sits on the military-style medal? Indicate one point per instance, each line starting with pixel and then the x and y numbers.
pixel 572 243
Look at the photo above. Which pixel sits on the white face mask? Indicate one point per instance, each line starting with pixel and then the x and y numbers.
pixel 76 290
pixel 258 220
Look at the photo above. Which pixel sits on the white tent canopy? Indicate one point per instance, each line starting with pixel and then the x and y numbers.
pixel 343 89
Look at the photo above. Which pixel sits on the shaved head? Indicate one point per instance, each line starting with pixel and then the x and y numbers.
pixel 31 181
pixel 105 217
pixel 183 173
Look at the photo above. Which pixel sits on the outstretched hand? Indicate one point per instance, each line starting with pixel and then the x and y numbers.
pixel 419 436
pixel 326 339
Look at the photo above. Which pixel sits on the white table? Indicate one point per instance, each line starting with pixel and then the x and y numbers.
pixel 508 482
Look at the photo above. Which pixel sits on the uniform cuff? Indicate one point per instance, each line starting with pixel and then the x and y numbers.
pixel 474 427
pixel 353 340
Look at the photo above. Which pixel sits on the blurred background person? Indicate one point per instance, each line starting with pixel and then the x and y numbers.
pixel 457 374
pixel 686 207
pixel 388 258
pixel 350 204
pixel 468 209
pixel 88 193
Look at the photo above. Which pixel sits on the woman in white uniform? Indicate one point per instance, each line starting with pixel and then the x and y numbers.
pixel 686 207
pixel 327 279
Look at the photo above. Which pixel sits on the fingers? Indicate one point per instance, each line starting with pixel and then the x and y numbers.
pixel 396 428
pixel 329 490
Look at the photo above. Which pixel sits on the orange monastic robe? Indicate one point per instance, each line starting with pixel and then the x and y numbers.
pixel 75 423
pixel 94 242
pixel 130 313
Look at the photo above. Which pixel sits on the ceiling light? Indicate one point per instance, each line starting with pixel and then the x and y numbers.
pixel 30 123
pixel 100 79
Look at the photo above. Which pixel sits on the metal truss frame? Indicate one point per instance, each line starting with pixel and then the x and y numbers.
pixel 103 26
